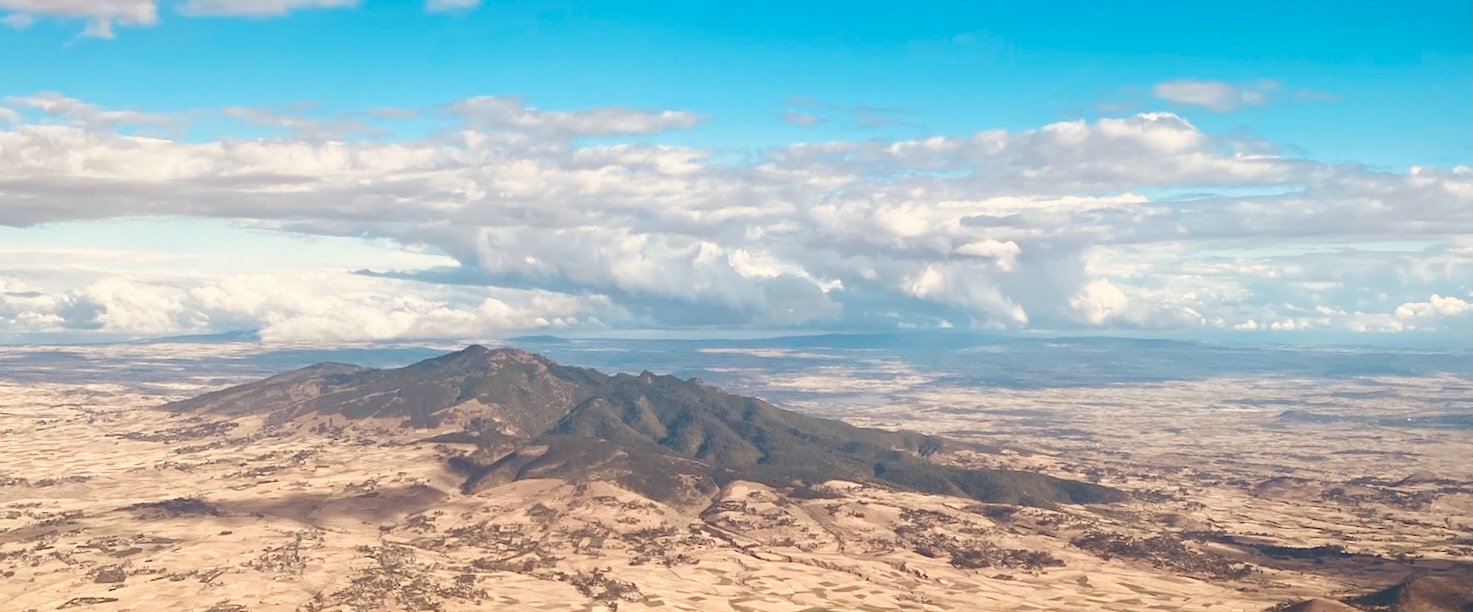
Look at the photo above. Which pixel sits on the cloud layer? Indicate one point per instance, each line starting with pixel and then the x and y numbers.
pixel 574 218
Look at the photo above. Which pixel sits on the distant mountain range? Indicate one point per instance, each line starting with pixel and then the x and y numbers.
pixel 669 439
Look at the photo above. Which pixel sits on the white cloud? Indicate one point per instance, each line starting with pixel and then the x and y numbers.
pixel 511 115
pixel 1004 253
pixel 803 119
pixel 256 8
pixel 1219 96
pixel 78 113
pixel 436 6
pixel 989 228
pixel 300 126
pixel 965 287
pixel 18 21
pixel 1100 301
pixel 101 15
pixel 1436 306
pixel 304 306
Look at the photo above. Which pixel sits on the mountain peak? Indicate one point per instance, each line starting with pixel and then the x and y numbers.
pixel 477 351
pixel 474 349
pixel 482 353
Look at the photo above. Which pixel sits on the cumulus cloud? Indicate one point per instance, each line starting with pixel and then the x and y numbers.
pixel 1219 96
pixel 1436 306
pixel 999 229
pixel 1099 302
pixel 310 306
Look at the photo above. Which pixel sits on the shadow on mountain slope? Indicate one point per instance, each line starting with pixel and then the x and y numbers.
pixel 672 440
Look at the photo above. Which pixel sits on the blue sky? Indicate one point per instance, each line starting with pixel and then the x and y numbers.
pixel 1401 76
pixel 1342 99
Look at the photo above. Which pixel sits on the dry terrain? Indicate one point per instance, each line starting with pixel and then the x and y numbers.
pixel 107 503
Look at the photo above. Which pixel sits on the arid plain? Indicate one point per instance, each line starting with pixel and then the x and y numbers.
pixel 1245 493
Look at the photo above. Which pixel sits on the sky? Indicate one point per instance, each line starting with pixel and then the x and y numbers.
pixel 324 171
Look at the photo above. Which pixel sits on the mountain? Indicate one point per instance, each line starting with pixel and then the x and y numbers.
pixel 1418 592
pixel 669 439
pixel 1423 593
pixel 509 391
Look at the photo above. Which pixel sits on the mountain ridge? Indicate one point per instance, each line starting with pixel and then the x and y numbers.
pixel 666 438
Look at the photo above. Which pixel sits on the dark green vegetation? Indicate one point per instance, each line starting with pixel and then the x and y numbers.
pixel 670 439
pixel 1164 550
